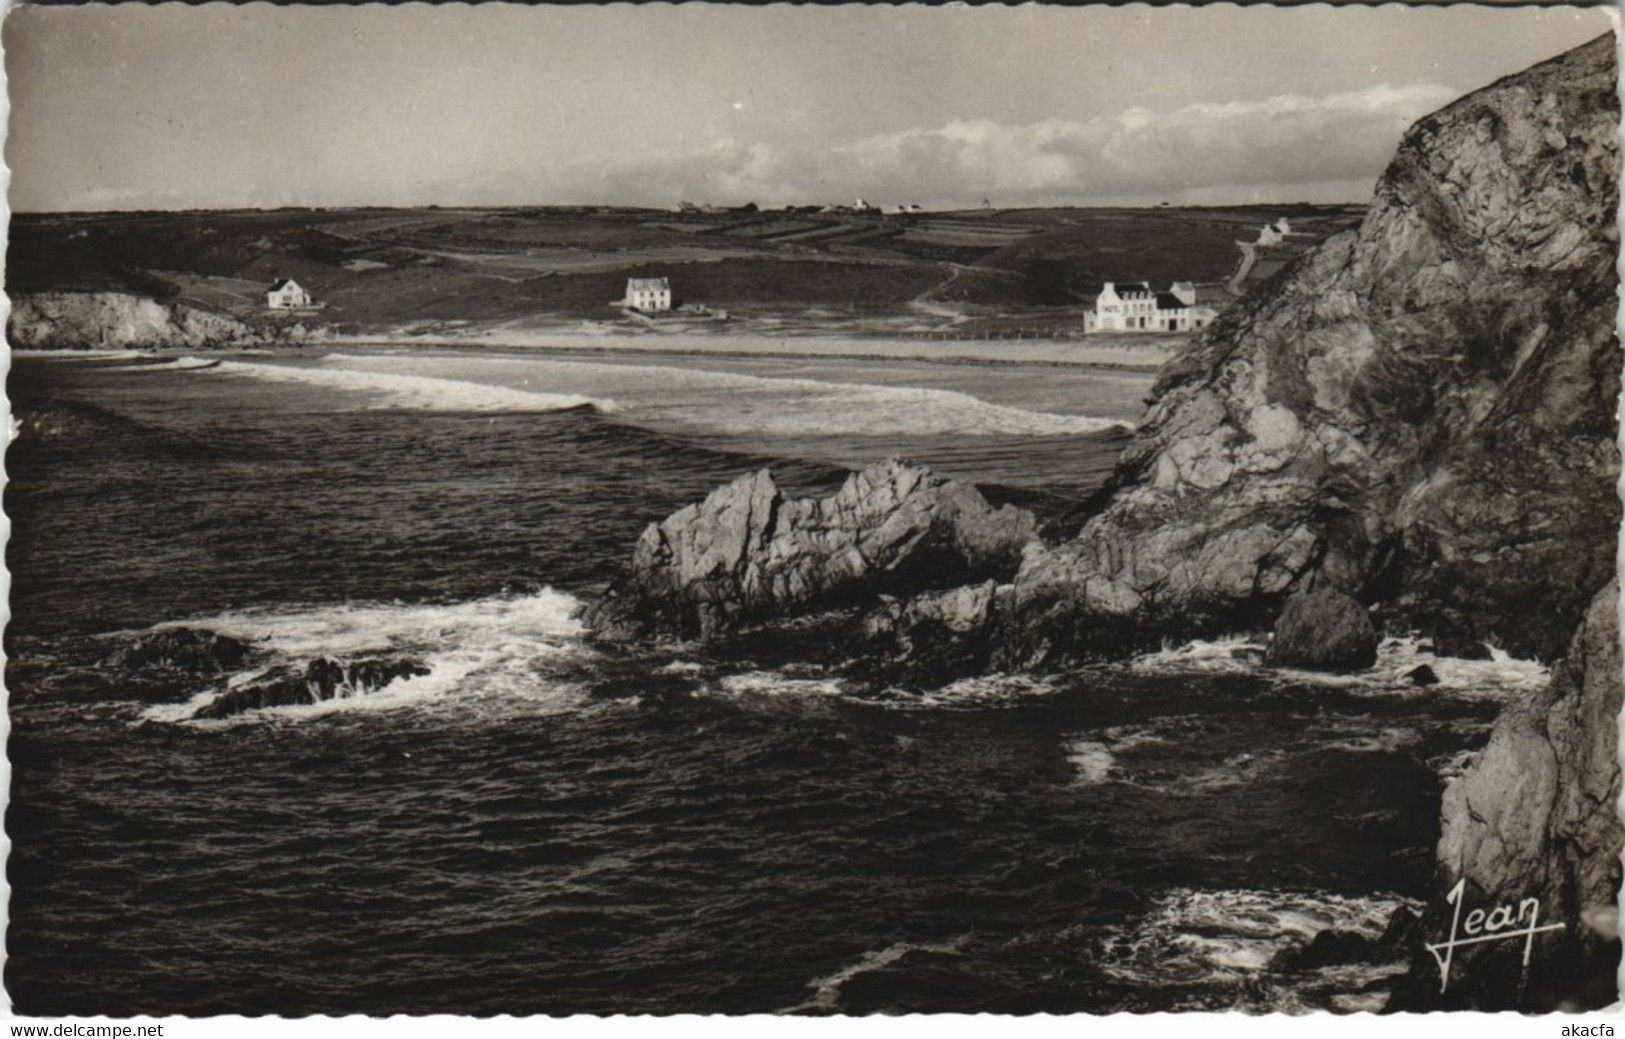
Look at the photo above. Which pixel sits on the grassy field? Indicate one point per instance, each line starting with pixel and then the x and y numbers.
pixel 986 272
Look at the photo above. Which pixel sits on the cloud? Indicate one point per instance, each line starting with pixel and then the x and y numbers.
pixel 1288 147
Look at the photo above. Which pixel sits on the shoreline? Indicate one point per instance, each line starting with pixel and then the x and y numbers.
pixel 1145 357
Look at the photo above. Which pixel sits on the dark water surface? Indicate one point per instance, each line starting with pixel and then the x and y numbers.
pixel 541 825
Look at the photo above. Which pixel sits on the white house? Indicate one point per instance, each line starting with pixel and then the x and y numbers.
pixel 1276 233
pixel 287 294
pixel 1136 307
pixel 648 294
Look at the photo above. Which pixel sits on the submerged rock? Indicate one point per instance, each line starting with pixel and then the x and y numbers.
pixel 1324 629
pixel 747 554
pixel 180 649
pixel 320 680
pixel 1422 676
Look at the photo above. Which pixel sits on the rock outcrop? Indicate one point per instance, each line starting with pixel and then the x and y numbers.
pixel 320 680
pixel 1537 816
pixel 185 650
pixel 1324 629
pixel 1420 411
pixel 747 554
pixel 117 320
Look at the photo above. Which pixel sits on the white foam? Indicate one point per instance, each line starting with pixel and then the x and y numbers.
pixel 1229 936
pixel 1092 759
pixel 729 403
pixel 1233 654
pixel 827 990
pixel 79 355
pixel 179 364
pixel 978 692
pixel 1498 679
pixel 769 683
pixel 505 647
pixel 416 392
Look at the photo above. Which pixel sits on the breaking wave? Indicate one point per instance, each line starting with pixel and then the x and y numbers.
pixel 827 990
pixel 1192 939
pixel 513 649
pixel 415 392
pixel 726 403
pixel 179 364
pixel 1092 760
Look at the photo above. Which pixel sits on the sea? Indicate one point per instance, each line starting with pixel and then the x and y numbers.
pixel 543 824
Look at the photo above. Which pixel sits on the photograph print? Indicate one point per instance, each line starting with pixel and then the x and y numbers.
pixel 718 509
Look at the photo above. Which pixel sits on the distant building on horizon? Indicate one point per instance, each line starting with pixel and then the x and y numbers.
pixel 287 294
pixel 1136 307
pixel 1276 233
pixel 650 295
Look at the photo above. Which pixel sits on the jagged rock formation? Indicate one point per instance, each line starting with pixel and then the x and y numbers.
pixel 1536 816
pixel 117 320
pixel 320 680
pixel 748 554
pixel 1323 628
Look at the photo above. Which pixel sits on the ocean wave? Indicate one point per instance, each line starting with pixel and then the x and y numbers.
pixel 1221 939
pixel 727 403
pixel 388 390
pixel 827 990
pixel 1092 760
pixel 515 649
pixel 768 683
pixel 979 693
pixel 179 364
pixel 1497 679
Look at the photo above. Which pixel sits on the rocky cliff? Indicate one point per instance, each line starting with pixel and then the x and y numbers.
pixel 1420 412
pixel 116 320
pixel 748 554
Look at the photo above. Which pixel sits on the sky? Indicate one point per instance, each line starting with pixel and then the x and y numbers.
pixel 181 107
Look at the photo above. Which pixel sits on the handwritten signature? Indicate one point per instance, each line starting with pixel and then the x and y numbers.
pixel 1494 925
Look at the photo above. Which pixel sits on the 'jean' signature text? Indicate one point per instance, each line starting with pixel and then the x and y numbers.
pixel 1494 925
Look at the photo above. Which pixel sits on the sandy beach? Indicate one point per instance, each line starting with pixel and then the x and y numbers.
pixel 1142 352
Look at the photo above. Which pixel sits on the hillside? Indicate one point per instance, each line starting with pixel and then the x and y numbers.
pixel 380 270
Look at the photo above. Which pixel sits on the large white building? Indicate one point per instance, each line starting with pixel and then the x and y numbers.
pixel 649 295
pixel 287 294
pixel 1136 307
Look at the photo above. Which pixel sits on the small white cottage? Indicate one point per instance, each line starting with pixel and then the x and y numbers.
pixel 287 294
pixel 649 295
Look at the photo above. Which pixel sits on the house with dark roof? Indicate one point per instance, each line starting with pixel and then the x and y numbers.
pixel 1137 307
pixel 287 294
